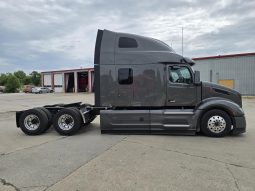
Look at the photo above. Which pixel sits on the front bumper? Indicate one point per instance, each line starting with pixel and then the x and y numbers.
pixel 239 125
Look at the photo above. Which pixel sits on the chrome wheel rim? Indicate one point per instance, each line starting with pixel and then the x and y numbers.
pixel 216 124
pixel 65 122
pixel 32 122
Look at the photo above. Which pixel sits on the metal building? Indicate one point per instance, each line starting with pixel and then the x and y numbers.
pixel 74 80
pixel 236 71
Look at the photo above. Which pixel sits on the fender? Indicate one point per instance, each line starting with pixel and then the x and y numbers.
pixel 233 109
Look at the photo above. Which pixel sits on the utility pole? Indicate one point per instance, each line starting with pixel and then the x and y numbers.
pixel 182 40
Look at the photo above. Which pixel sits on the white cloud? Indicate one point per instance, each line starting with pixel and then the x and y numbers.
pixel 39 33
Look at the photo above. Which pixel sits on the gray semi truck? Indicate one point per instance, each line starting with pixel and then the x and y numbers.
pixel 142 86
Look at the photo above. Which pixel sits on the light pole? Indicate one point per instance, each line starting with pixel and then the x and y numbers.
pixel 182 40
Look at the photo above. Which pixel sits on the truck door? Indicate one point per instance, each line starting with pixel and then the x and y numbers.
pixel 181 90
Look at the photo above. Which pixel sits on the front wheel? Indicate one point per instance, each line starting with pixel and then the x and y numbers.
pixel 216 123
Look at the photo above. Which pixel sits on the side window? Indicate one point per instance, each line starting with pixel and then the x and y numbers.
pixel 125 42
pixel 180 74
pixel 125 76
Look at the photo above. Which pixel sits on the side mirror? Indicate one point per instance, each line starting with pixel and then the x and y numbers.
pixel 197 77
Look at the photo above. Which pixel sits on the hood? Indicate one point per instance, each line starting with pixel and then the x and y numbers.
pixel 215 90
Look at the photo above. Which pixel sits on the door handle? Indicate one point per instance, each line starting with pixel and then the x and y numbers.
pixel 171 100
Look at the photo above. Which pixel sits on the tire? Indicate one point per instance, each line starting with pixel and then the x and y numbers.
pixel 33 121
pixel 40 92
pixel 216 123
pixel 75 109
pixel 78 113
pixel 67 121
pixel 49 116
pixel 48 113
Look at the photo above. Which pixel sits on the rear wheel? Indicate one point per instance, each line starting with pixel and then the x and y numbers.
pixel 216 123
pixel 49 116
pixel 33 121
pixel 67 121
pixel 78 113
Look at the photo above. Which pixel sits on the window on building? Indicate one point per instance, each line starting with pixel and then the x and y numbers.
pixel 125 42
pixel 180 74
pixel 125 76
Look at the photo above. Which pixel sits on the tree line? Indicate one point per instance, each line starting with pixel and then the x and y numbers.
pixel 14 81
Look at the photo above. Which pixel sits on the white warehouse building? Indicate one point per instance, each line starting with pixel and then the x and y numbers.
pixel 73 80
pixel 235 71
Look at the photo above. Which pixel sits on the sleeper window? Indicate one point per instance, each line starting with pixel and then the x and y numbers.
pixel 125 76
pixel 125 42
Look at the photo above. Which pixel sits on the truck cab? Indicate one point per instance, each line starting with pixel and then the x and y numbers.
pixel 149 88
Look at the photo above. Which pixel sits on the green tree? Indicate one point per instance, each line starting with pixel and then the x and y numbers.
pixel 27 80
pixel 13 84
pixel 3 79
pixel 36 78
pixel 21 75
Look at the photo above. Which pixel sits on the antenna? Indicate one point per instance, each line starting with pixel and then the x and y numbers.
pixel 182 40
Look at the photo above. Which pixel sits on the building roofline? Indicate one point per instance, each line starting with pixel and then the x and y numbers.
pixel 225 56
pixel 68 70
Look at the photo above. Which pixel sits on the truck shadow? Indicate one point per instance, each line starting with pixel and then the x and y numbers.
pixel 92 128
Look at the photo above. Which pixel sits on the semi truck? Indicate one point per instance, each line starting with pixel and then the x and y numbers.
pixel 143 86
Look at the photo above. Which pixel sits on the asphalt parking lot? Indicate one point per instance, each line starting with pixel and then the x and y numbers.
pixel 91 161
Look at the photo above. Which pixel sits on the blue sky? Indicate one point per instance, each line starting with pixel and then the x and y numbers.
pixel 60 34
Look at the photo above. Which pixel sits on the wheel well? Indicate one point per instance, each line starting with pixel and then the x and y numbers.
pixel 211 108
